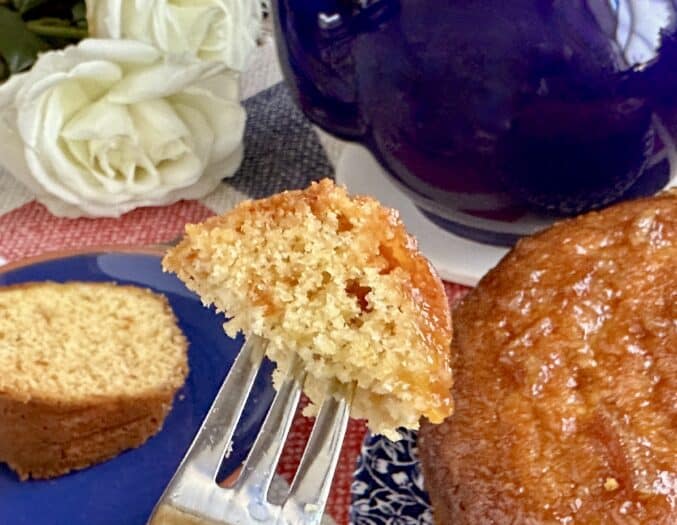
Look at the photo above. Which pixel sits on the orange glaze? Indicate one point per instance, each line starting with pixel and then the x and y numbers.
pixel 566 379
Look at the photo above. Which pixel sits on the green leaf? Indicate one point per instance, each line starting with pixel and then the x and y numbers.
pixel 51 21
pixel 18 46
pixel 23 6
pixel 79 12
pixel 56 28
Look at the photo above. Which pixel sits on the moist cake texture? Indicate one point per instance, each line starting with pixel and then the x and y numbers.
pixel 337 281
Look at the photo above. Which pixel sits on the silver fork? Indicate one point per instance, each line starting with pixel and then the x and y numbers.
pixel 193 496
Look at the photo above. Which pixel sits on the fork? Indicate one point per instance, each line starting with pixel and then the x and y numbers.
pixel 193 496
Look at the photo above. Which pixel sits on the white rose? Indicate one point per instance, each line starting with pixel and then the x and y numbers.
pixel 224 30
pixel 110 125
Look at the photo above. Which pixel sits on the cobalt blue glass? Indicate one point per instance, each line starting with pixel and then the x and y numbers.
pixel 485 111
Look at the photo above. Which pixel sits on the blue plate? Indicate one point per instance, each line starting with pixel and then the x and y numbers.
pixel 122 491
pixel 387 486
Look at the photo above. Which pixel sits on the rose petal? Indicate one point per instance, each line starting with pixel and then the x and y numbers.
pixel 136 17
pixel 202 135
pixel 30 102
pixel 225 85
pixel 48 184
pixel 60 170
pixel 232 37
pixel 157 125
pixel 14 160
pixel 125 52
pixel 210 179
pixel 100 120
pixel 227 167
pixel 91 84
pixel 96 77
pixel 183 28
pixel 180 173
pixel 9 90
pixel 226 118
pixel 160 80
pixel 55 62
pixel 103 18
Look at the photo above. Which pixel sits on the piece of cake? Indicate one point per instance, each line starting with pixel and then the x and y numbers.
pixel 566 379
pixel 337 281
pixel 87 370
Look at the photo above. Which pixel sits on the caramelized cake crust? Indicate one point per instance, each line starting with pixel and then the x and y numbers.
pixel 566 379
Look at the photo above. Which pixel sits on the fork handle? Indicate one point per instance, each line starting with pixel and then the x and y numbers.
pixel 167 514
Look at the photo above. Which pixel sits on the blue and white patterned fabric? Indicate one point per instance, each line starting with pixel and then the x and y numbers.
pixel 387 487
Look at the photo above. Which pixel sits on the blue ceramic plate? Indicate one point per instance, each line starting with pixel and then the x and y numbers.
pixel 122 491
pixel 387 486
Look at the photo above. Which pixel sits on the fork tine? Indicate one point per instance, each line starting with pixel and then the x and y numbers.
pixel 310 488
pixel 259 468
pixel 193 494
pixel 213 439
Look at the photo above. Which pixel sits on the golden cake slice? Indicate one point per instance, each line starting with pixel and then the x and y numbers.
pixel 87 370
pixel 338 282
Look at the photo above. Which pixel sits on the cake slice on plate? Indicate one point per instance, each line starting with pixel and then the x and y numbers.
pixel 87 370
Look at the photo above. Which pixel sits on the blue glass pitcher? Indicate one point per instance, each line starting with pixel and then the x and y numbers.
pixel 492 109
